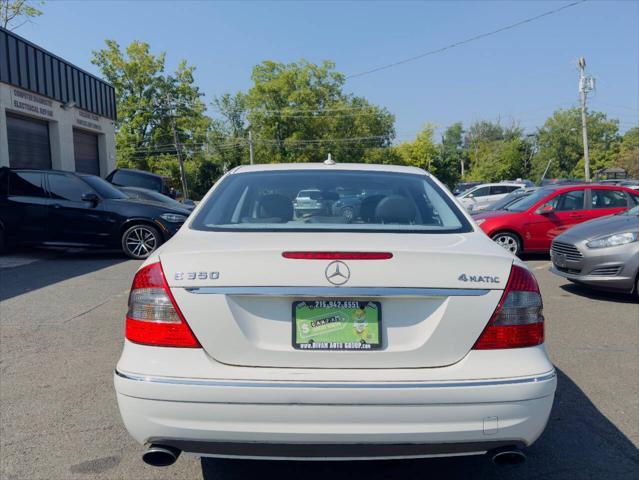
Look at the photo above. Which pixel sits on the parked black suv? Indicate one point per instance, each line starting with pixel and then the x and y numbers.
pixel 128 177
pixel 64 208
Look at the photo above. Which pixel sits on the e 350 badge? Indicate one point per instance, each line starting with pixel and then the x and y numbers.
pixel 197 275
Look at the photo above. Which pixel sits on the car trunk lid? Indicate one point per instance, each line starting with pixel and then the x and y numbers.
pixel 237 292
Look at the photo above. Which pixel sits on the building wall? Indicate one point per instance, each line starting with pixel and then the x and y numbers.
pixel 61 122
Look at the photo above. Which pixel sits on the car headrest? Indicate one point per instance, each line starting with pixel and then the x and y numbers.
pixel 367 208
pixel 276 206
pixel 395 209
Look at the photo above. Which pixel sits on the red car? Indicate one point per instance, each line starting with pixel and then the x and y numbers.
pixel 530 224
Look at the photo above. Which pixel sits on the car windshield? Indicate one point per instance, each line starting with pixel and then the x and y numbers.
pixel 132 179
pixel 509 199
pixel 632 211
pixel 386 202
pixel 525 203
pixel 154 196
pixel 104 188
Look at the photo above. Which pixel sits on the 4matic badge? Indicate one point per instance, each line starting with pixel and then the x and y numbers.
pixel 478 278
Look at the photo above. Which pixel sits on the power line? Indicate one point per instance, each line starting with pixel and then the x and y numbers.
pixel 463 42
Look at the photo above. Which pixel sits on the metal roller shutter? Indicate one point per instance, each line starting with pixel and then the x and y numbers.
pixel 85 146
pixel 28 142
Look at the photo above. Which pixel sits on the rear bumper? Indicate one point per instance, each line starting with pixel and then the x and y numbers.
pixel 338 419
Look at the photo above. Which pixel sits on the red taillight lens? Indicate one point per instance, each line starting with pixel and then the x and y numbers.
pixel 338 255
pixel 518 320
pixel 153 317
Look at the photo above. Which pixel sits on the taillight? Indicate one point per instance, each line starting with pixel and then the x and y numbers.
pixel 518 320
pixel 153 317
pixel 338 255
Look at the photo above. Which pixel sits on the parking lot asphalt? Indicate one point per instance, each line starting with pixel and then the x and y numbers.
pixel 61 327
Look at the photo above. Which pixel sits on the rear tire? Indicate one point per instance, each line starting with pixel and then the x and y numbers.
pixel 140 240
pixel 508 241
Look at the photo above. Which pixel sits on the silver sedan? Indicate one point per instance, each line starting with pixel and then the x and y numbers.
pixel 602 253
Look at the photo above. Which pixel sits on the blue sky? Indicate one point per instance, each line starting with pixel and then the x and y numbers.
pixel 523 74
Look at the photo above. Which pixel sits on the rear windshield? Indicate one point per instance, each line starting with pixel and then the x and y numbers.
pixel 132 179
pixel 343 201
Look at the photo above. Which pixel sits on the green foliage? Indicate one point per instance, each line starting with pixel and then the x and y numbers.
pixel 497 152
pixel 560 140
pixel 298 112
pixel 15 13
pixel 422 152
pixel 228 139
pixel 629 152
pixel 150 103
pixel 498 160
pixel 451 154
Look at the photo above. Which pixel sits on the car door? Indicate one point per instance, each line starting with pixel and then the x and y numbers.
pixel 497 192
pixel 72 220
pixel 25 207
pixel 541 227
pixel 475 197
pixel 604 201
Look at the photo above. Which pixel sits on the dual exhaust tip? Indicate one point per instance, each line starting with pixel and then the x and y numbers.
pixel 163 456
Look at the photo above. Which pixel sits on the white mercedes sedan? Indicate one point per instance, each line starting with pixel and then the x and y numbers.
pixel 399 330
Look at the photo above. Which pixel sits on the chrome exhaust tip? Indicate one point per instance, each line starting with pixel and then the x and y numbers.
pixel 508 456
pixel 160 455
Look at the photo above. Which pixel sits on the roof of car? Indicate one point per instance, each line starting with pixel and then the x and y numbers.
pixel 47 170
pixel 498 184
pixel 140 172
pixel 328 167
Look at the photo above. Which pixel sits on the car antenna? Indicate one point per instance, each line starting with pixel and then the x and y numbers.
pixel 329 160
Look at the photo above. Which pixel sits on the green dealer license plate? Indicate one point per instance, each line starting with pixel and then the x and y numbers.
pixel 337 324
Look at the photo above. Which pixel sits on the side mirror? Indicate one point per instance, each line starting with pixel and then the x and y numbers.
pixel 90 197
pixel 545 209
pixel 470 195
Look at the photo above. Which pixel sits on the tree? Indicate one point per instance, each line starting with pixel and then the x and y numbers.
pixel 150 105
pixel 15 13
pixel 451 155
pixel 499 160
pixel 560 140
pixel 299 112
pixel 421 152
pixel 228 139
pixel 629 152
pixel 496 152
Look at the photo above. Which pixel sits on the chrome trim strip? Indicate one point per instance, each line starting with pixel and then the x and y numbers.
pixel 341 291
pixel 343 385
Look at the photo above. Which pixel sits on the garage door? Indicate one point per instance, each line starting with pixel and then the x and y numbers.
pixel 85 146
pixel 28 142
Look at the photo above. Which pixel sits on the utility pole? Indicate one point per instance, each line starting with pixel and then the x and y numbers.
pixel 545 172
pixel 176 142
pixel 250 142
pixel 586 84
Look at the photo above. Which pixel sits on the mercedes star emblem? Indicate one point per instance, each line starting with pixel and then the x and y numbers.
pixel 337 273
